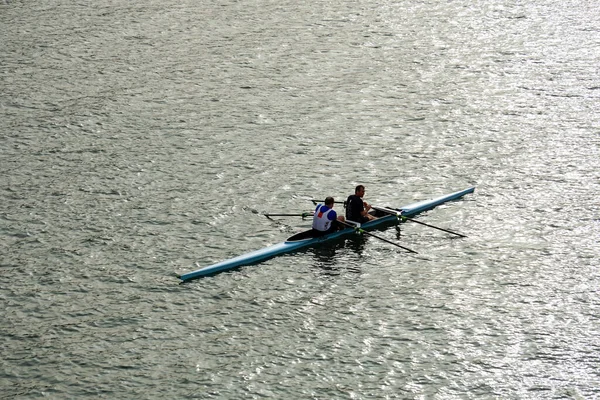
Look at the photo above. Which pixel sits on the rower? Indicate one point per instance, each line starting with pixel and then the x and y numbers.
pixel 357 210
pixel 325 219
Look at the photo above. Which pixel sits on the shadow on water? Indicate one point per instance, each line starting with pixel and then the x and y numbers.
pixel 328 257
pixel 331 257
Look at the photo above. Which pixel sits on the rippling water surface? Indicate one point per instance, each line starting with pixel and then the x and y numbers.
pixel 142 139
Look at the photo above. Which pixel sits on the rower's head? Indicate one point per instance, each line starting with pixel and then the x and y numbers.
pixel 329 202
pixel 359 191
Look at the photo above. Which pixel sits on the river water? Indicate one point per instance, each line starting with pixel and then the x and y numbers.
pixel 141 139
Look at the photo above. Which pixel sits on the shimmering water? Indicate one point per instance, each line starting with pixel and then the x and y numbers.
pixel 144 139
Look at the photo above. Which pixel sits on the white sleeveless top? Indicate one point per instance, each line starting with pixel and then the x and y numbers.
pixel 322 218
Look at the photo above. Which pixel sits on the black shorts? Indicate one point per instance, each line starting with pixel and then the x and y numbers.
pixel 335 225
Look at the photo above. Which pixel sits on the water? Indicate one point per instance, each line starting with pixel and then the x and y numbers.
pixel 142 139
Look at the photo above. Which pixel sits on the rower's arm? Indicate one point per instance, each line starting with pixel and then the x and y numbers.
pixel 367 207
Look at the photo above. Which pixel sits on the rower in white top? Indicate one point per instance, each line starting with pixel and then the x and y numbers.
pixel 325 219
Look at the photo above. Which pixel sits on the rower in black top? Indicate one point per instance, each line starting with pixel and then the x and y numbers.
pixel 357 210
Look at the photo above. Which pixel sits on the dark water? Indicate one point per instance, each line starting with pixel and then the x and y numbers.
pixel 144 139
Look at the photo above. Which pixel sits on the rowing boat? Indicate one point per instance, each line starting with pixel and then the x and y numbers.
pixel 305 239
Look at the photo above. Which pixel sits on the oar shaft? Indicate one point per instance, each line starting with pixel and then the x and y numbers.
pixel 323 201
pixel 303 215
pixel 286 215
pixel 435 227
pixel 387 241
pixel 358 229
pixel 398 212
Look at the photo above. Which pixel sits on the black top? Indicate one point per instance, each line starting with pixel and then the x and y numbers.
pixel 354 206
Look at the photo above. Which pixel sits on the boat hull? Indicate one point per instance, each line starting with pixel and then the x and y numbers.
pixel 292 245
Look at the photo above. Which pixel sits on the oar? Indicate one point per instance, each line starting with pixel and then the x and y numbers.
pixel 436 227
pixel 359 229
pixel 399 214
pixel 303 215
pixel 323 201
